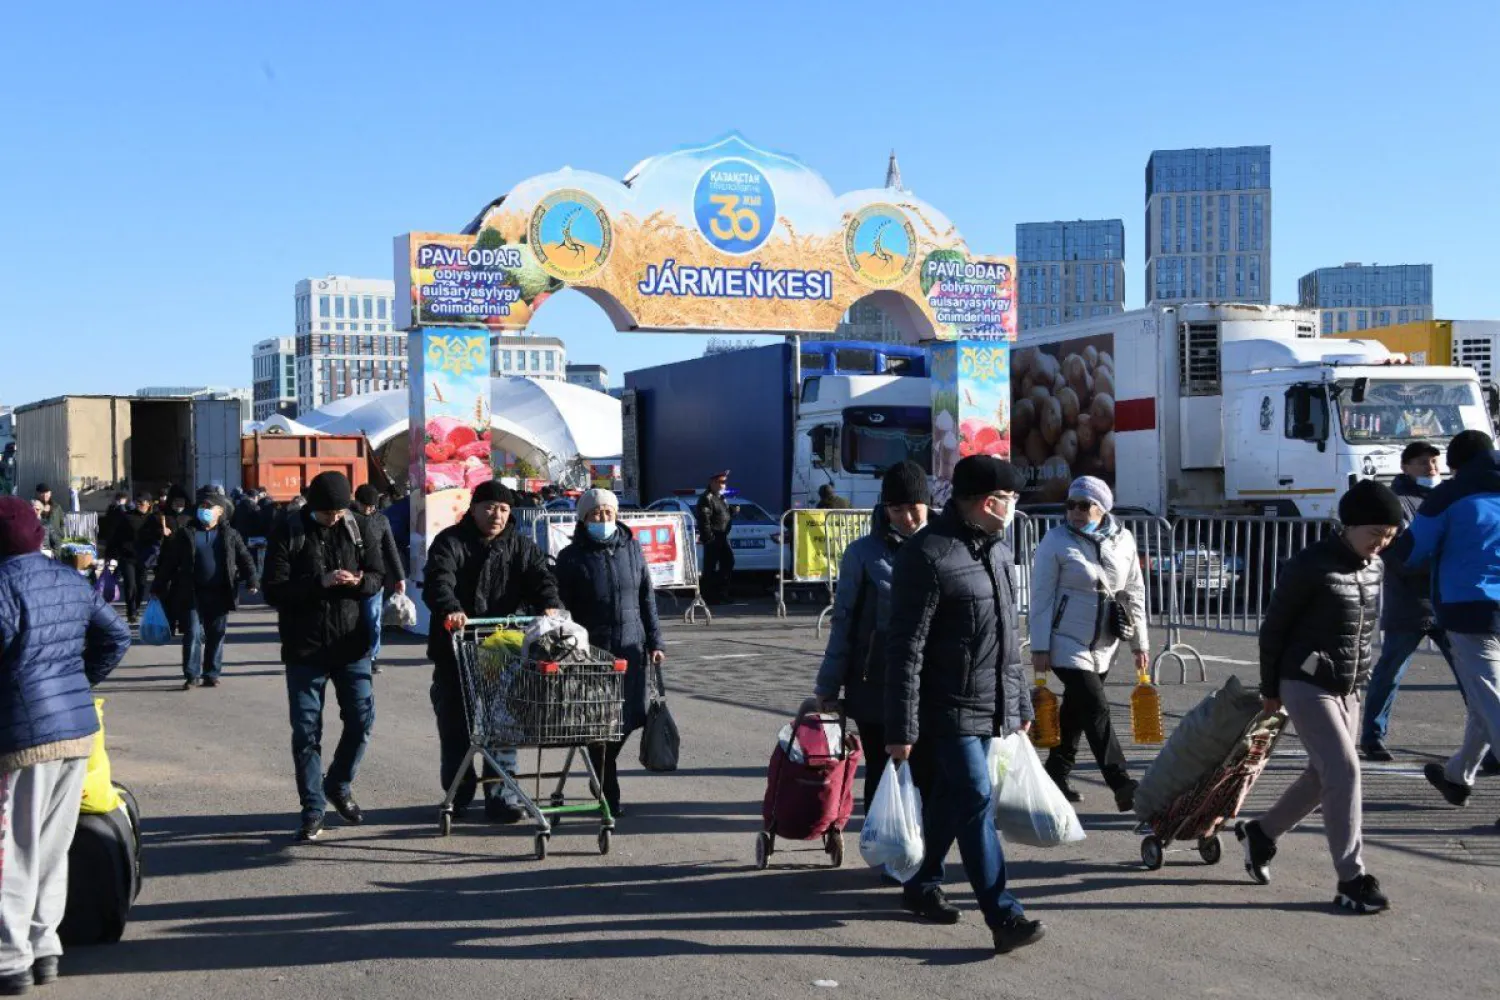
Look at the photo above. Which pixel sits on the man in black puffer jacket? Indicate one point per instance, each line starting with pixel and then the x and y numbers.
pixel 482 567
pixel 1315 649
pixel 319 571
pixel 954 680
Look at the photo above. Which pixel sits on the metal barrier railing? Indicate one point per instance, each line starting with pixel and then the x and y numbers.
pixel 83 524
pixel 814 542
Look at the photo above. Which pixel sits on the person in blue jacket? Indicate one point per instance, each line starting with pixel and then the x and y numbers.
pixel 604 583
pixel 854 661
pixel 1457 529
pixel 57 639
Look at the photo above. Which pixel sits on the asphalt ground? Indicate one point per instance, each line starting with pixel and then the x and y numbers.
pixel 232 907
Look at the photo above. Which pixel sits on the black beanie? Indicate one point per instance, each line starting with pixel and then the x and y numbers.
pixel 905 483
pixel 1467 446
pixel 328 491
pixel 1370 502
pixel 492 491
pixel 981 475
pixel 367 495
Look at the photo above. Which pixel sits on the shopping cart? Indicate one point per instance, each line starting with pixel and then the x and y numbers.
pixel 513 702
pixel 1202 812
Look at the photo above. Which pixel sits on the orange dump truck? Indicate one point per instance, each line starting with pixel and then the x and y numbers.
pixel 285 463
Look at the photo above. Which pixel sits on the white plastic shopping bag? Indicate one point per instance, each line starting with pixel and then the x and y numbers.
pixel 554 637
pixel 401 610
pixel 1029 807
pixel 892 834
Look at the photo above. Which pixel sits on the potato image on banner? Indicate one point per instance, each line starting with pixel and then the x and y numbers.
pixel 1103 410
pixel 1069 402
pixel 1107 452
pixel 1022 419
pixel 1049 419
pixel 1037 450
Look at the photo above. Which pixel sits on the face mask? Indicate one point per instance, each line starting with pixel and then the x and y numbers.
pixel 205 517
pixel 1010 515
pixel 1428 481
pixel 1091 528
pixel 601 531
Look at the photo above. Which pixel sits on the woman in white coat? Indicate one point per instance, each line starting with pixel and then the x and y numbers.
pixel 1082 568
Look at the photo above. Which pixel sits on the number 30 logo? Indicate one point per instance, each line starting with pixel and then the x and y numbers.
pixel 734 206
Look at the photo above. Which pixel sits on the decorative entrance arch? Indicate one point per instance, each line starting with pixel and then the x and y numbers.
pixel 710 238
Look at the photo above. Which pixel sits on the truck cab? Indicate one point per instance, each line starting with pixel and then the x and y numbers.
pixel 851 428
pixel 1304 419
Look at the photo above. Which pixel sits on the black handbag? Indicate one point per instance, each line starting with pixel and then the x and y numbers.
pixel 661 743
pixel 1117 618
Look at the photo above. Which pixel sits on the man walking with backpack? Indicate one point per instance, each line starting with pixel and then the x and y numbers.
pixel 320 569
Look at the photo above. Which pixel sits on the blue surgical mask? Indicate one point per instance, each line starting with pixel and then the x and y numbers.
pixel 1091 528
pixel 1428 481
pixel 601 531
pixel 205 517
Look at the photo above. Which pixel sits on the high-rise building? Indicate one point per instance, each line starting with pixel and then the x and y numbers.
pixel 274 386
pixel 347 342
pixel 1069 270
pixel 594 377
pixel 1363 296
pixel 533 357
pixel 1208 225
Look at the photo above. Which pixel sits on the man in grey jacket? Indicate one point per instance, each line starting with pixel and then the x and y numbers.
pixel 954 680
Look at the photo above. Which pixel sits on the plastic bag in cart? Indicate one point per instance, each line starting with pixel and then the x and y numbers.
pixel 892 834
pixel 556 637
pixel 1029 808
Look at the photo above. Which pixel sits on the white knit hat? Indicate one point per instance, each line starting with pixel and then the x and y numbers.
pixel 596 498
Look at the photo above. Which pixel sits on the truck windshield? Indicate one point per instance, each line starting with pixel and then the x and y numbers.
pixel 876 439
pixel 1397 411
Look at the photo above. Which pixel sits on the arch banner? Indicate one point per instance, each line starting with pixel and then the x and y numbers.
pixel 722 236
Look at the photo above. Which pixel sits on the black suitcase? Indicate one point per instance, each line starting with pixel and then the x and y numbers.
pixel 104 874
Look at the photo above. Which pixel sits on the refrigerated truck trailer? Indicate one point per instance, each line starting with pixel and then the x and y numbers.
pixel 101 444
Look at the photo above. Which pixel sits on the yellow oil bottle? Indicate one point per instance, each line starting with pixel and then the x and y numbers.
pixel 1046 732
pixel 1145 710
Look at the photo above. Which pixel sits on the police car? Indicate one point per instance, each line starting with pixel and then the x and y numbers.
pixel 755 535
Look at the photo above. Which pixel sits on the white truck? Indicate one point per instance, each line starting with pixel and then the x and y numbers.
pixel 851 428
pixel 1223 408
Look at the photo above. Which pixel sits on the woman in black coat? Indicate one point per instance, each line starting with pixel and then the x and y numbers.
pixel 604 583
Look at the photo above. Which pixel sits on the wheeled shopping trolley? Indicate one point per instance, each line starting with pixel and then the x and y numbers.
pixel 572 701
pixel 1201 813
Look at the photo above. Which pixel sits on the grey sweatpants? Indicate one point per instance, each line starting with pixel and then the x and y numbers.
pixel 1476 661
pixel 38 814
pixel 1329 727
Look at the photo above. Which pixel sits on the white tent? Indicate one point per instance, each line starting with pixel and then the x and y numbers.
pixel 546 422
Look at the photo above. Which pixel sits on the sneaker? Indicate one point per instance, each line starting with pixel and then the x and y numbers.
pixel 311 829
pixel 1259 851
pixel 346 806
pixel 497 810
pixel 933 906
pixel 1376 752
pixel 1125 797
pixel 44 970
pixel 210 682
pixel 1456 794
pixel 189 684
pixel 1362 895
pixel 1489 767
pixel 16 983
pixel 132 619
pixel 1017 932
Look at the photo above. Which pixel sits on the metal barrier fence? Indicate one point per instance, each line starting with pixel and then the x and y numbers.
pixel 687 541
pixel 814 542
pixel 81 525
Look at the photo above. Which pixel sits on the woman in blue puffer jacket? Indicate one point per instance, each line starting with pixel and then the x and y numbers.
pixel 605 585
pixel 854 661
pixel 57 639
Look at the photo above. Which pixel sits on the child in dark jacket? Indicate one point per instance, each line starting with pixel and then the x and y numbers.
pixel 1315 649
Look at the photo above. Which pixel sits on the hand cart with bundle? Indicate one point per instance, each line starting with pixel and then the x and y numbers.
pixel 1203 811
pixel 571 700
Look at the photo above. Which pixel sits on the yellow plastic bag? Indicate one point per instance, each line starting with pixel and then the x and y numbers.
pixel 99 795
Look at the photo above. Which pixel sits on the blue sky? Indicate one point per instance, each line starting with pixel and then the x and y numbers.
pixel 170 170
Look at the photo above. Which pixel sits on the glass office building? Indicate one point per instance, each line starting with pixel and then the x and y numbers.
pixel 1067 271
pixel 1208 225
pixel 1364 296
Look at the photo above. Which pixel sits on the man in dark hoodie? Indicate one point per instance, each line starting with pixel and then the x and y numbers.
pixel 482 567
pixel 127 547
pixel 954 680
pixel 170 517
pixel 197 580
pixel 248 522
pixel 1458 529
pixel 319 570
pixel 378 530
